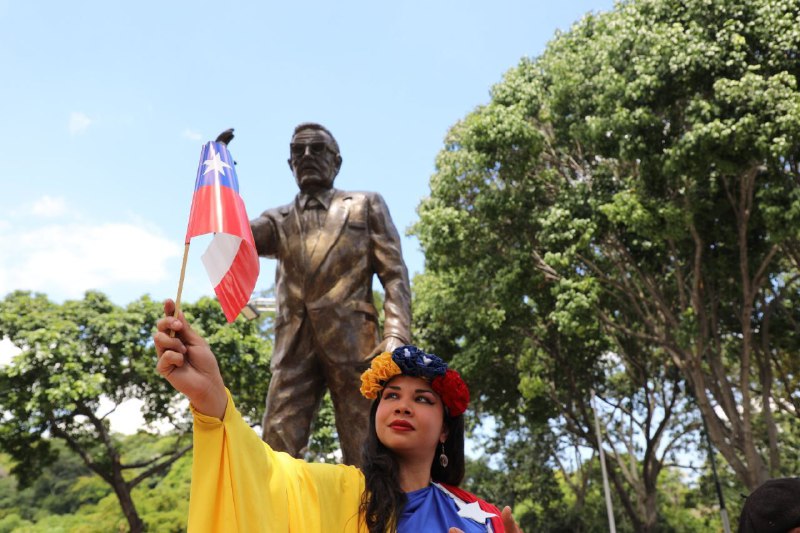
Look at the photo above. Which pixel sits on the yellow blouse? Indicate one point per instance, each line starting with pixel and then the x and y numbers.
pixel 241 484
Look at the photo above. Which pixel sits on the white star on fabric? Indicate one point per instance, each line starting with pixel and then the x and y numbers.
pixel 427 360
pixel 215 164
pixel 473 511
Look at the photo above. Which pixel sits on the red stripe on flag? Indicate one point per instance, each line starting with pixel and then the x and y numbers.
pixel 237 285
pixel 218 210
pixel 468 497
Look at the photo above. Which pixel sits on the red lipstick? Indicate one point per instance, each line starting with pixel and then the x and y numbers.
pixel 401 425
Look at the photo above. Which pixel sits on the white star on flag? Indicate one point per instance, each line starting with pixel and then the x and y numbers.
pixel 215 163
pixel 473 511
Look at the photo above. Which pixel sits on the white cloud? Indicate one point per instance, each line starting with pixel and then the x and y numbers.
pixel 192 135
pixel 7 351
pixel 65 260
pixel 47 206
pixel 78 123
pixel 127 417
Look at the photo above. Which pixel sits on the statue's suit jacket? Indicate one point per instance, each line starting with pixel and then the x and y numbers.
pixel 332 287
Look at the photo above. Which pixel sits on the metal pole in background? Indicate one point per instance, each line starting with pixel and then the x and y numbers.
pixel 726 525
pixel 612 526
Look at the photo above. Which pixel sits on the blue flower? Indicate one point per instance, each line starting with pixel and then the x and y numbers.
pixel 416 363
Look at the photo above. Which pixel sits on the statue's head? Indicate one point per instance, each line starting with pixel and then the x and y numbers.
pixel 314 157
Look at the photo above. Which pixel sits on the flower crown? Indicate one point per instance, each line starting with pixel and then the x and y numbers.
pixel 411 361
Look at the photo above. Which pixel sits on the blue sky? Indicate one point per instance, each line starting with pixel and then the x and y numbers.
pixel 105 106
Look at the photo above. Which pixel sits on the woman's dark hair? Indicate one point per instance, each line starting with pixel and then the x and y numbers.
pixel 383 500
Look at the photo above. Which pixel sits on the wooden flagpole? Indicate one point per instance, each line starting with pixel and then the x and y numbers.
pixel 180 284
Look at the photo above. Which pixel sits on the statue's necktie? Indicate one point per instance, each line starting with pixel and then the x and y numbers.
pixel 313 218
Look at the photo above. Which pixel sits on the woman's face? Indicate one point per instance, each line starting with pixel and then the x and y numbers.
pixel 410 418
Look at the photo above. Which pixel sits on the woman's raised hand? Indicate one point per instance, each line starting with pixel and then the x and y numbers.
pixel 186 361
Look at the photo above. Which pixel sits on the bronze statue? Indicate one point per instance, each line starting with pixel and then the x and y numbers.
pixel 329 244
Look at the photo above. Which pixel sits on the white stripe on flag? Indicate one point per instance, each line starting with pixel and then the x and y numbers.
pixel 219 256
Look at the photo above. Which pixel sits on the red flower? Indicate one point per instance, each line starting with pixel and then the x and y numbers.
pixel 453 391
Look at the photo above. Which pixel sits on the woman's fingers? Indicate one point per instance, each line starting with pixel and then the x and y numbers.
pixel 508 521
pixel 168 323
pixel 175 325
pixel 164 343
pixel 168 361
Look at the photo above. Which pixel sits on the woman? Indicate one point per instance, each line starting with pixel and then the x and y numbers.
pixel 240 484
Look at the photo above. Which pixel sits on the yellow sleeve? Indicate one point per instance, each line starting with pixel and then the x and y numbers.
pixel 239 484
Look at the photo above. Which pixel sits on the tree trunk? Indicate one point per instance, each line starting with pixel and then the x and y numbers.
pixel 123 492
pixel 650 511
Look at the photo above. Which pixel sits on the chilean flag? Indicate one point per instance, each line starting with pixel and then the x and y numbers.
pixel 231 259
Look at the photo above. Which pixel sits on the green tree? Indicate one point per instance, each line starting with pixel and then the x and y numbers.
pixel 519 473
pixel 76 353
pixel 67 496
pixel 63 487
pixel 323 445
pixel 623 216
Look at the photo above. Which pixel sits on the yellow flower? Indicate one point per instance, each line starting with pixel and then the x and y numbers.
pixel 375 377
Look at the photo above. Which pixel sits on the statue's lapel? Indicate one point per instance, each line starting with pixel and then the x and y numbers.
pixel 300 235
pixel 334 224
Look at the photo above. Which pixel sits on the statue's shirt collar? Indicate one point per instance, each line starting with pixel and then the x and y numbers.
pixel 324 197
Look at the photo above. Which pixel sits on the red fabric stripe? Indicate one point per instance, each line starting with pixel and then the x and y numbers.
pixel 237 285
pixel 218 210
pixel 497 521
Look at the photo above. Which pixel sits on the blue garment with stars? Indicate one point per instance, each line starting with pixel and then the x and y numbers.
pixel 432 510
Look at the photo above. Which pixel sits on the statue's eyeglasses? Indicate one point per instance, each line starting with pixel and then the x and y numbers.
pixel 298 150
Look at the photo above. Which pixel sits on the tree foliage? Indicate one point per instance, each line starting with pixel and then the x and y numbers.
pixel 81 355
pixel 624 216
pixel 67 496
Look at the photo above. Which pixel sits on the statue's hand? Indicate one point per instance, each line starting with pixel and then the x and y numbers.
pixel 388 345
pixel 225 137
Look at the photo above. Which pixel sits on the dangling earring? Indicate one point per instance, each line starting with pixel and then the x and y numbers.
pixel 443 458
